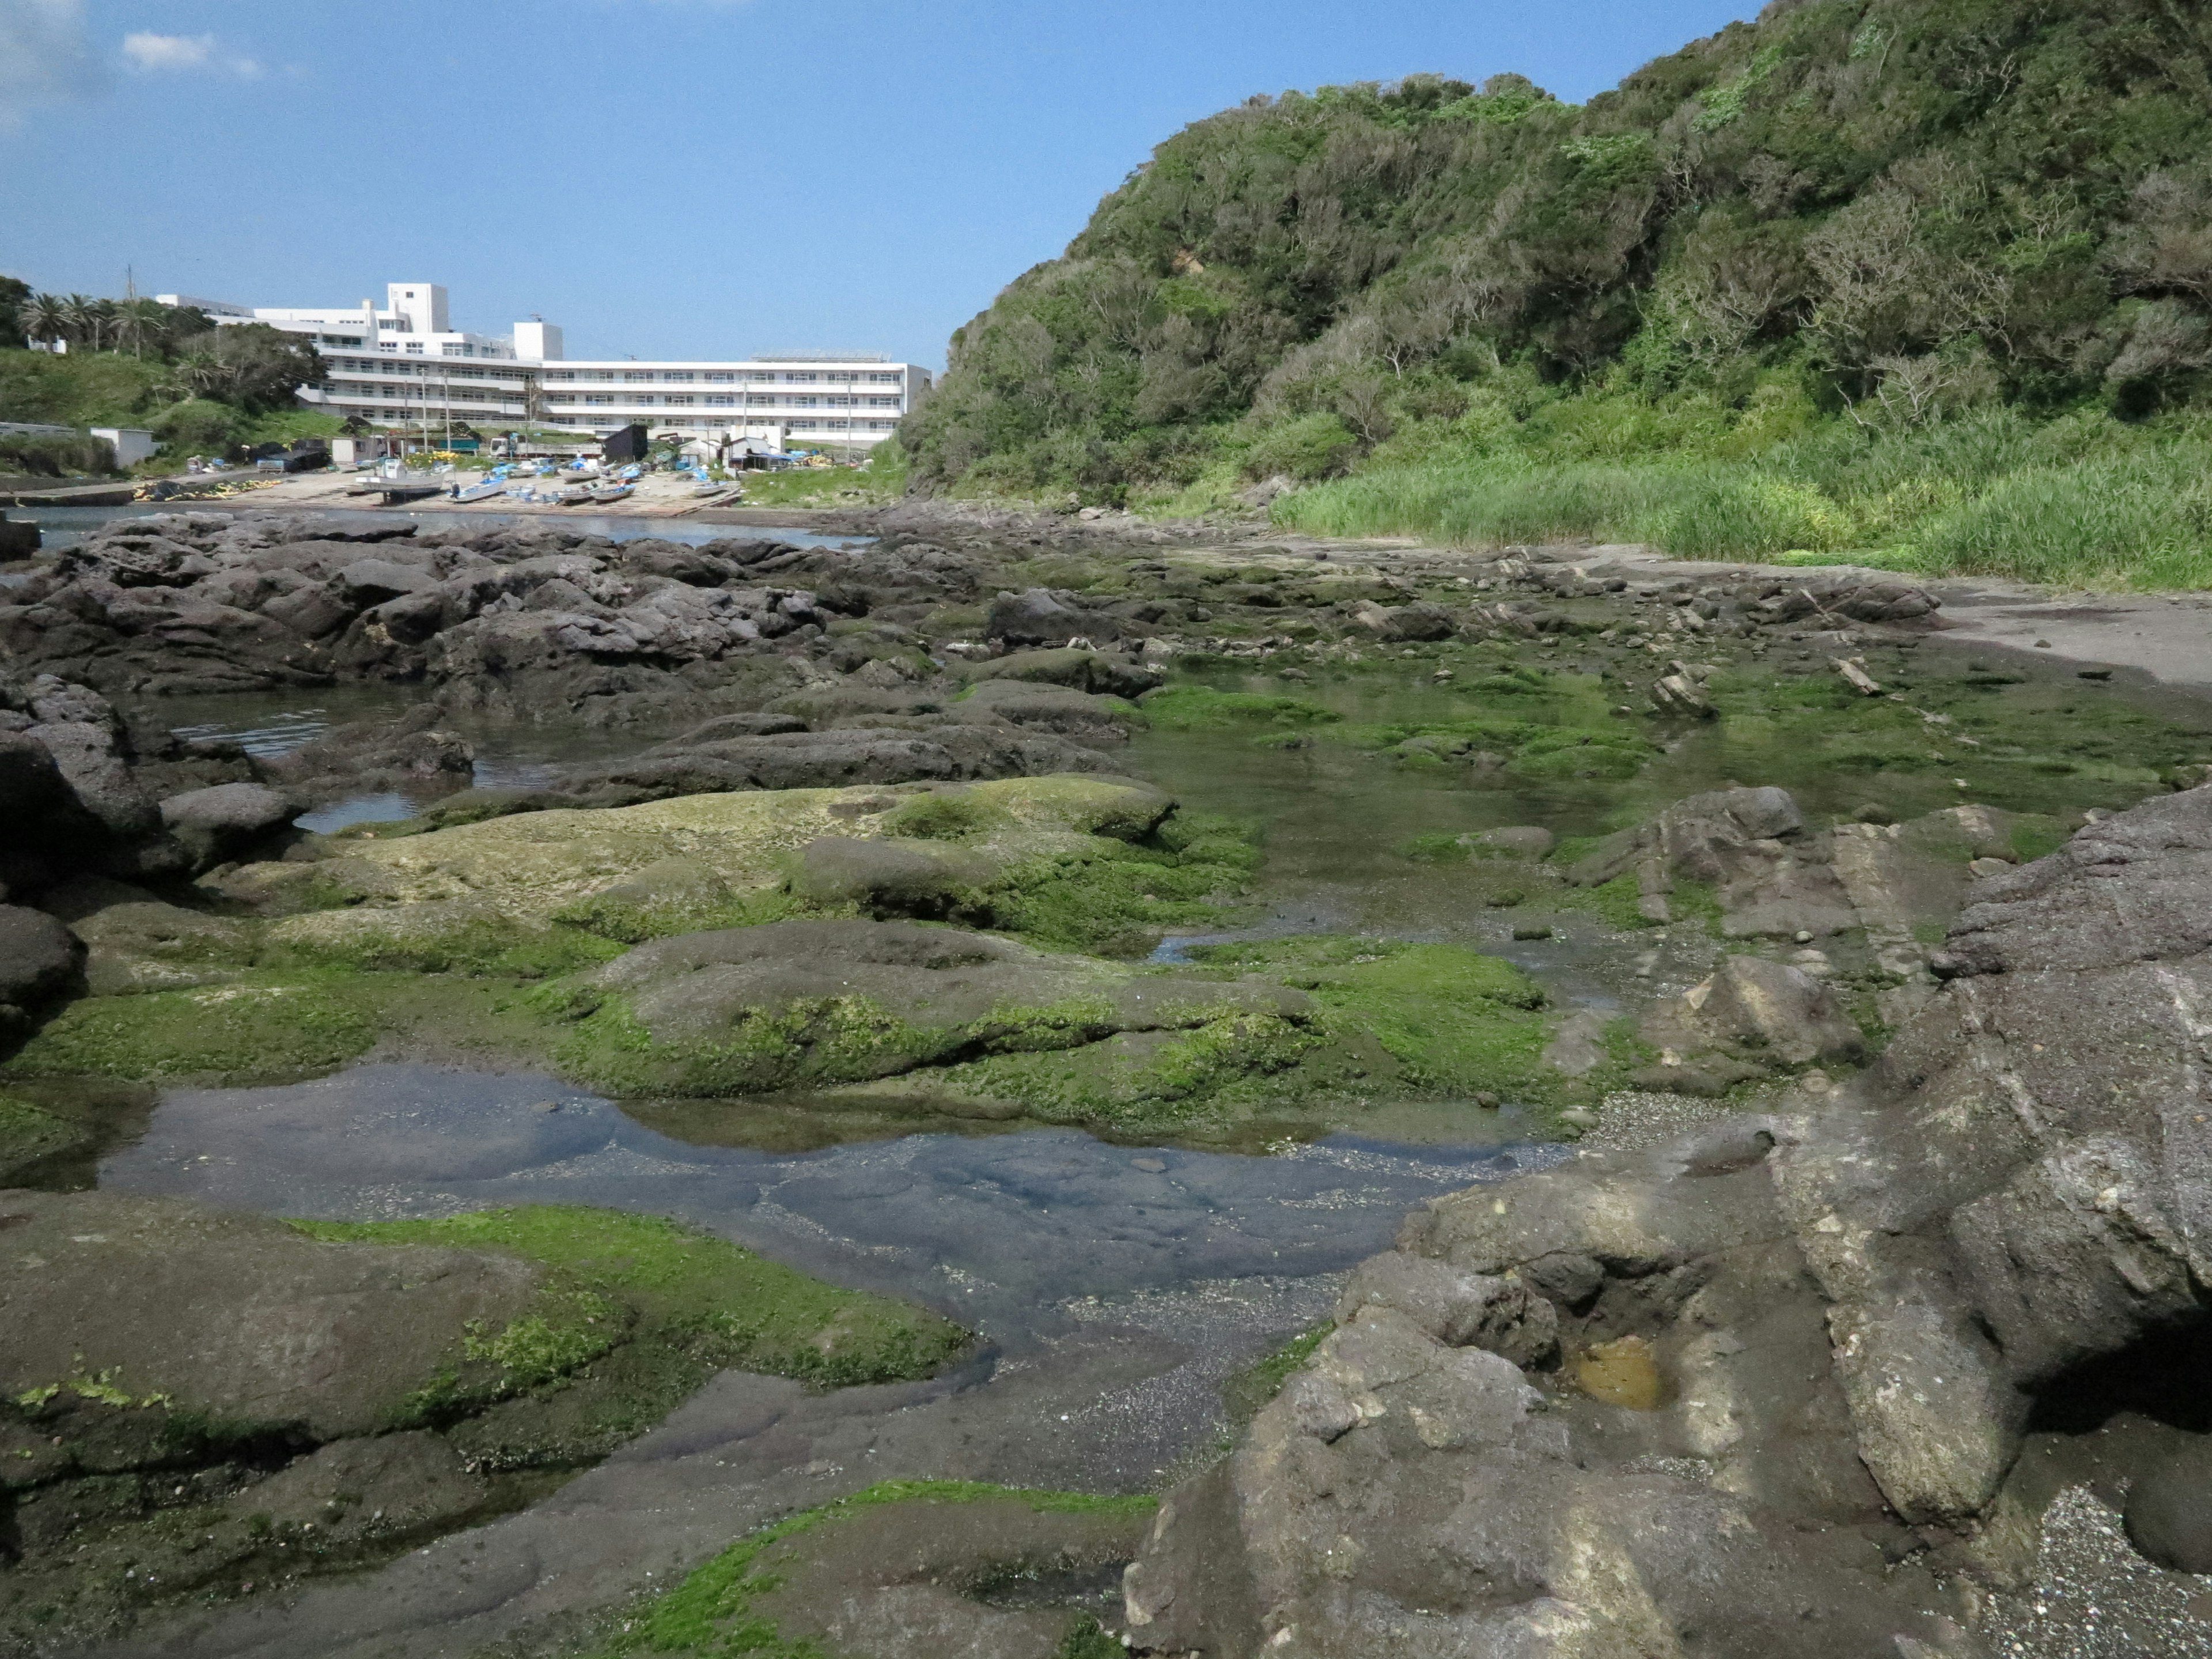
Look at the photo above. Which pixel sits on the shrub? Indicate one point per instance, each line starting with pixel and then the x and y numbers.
pixel 1317 445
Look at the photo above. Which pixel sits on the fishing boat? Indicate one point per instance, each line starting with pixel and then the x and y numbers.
pixel 483 491
pixel 572 494
pixel 611 492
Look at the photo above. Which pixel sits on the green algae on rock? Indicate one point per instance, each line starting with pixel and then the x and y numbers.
pixel 1191 708
pixel 259 1027
pixel 1447 1020
pixel 32 1138
pixel 1321 1026
pixel 1079 860
pixel 870 1568
pixel 823 1004
pixel 216 1400
pixel 671 1306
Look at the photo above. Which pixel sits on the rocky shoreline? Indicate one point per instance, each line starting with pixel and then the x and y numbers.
pixel 872 837
pixel 1769 1385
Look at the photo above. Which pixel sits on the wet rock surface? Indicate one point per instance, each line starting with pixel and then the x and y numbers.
pixel 1854 1309
pixel 866 822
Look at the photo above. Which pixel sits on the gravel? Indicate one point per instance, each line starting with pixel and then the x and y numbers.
pixel 2095 1598
pixel 1632 1120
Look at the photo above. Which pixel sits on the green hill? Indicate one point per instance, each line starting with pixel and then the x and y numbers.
pixel 1922 283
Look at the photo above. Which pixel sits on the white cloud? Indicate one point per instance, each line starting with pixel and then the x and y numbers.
pixel 155 54
pixel 44 56
pixel 149 52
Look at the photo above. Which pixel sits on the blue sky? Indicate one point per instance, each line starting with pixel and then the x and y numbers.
pixel 669 178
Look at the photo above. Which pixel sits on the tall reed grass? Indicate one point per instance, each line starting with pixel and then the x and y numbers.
pixel 2084 502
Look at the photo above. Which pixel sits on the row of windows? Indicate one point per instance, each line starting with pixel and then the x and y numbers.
pixel 370 365
pixel 725 400
pixel 721 376
pixel 460 394
pixel 711 425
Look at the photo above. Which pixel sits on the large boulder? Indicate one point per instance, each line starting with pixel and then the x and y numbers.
pixel 1800 1351
pixel 135 941
pixel 1400 624
pixel 40 961
pixel 1081 670
pixel 98 773
pixel 365 582
pixel 950 750
pixel 1038 616
pixel 43 829
pixel 222 823
pixel 1749 1017
pixel 1773 875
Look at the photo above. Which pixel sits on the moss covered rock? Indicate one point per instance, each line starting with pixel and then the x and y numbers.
pixel 822 1004
pixel 32 1138
pixel 196 1403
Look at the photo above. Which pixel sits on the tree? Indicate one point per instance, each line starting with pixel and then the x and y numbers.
pixel 249 364
pixel 14 295
pixel 139 323
pixel 43 317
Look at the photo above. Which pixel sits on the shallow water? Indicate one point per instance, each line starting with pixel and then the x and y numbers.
pixel 1002 1231
pixel 508 754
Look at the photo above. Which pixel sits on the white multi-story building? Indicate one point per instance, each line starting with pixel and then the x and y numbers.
pixel 404 365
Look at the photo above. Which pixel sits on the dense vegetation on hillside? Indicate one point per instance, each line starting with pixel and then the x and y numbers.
pixel 1905 279
pixel 200 389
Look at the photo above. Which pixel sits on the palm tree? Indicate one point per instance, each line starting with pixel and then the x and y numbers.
pixel 137 322
pixel 41 318
pixel 78 320
pixel 104 315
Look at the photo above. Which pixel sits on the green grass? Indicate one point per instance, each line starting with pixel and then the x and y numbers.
pixel 711 1614
pixel 2083 501
pixel 102 388
pixel 882 478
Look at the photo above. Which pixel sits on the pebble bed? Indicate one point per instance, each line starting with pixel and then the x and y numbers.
pixel 2095 1598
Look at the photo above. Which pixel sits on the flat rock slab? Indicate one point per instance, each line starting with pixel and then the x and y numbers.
pixel 240 1317
pixel 527 867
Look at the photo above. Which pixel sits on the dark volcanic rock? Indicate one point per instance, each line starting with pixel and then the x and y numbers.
pixel 1083 670
pixel 44 830
pixel 2169 1511
pixel 226 822
pixel 825 760
pixel 40 961
pixel 1039 616
pixel 1796 1346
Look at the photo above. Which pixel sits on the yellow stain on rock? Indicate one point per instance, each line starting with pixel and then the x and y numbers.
pixel 1624 1372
